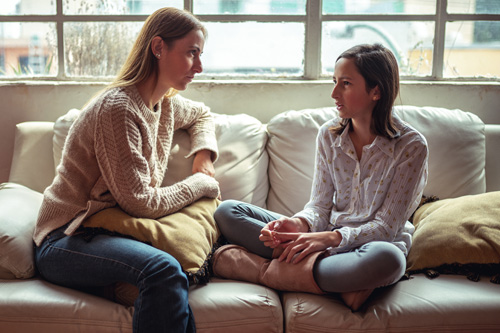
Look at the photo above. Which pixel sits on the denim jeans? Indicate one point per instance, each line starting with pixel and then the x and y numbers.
pixel 80 263
pixel 372 265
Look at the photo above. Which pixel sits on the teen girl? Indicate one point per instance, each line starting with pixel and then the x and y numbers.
pixel 116 154
pixel 370 170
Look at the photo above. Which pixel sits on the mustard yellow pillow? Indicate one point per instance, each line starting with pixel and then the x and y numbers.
pixel 189 234
pixel 464 230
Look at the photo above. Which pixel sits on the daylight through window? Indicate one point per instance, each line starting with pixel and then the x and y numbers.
pixel 284 39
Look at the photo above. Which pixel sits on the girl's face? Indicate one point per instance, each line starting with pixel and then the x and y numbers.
pixel 349 91
pixel 179 63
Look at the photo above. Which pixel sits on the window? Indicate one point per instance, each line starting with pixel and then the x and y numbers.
pixel 292 39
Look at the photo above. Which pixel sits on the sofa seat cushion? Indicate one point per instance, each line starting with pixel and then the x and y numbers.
pixel 35 305
pixel 450 303
pixel 234 306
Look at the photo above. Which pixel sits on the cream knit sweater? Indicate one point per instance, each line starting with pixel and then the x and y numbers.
pixel 116 153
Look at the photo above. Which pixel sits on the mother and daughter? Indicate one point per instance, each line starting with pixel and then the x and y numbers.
pixel 350 238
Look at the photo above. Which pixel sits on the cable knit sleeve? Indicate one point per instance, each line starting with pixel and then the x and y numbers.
pixel 195 117
pixel 128 157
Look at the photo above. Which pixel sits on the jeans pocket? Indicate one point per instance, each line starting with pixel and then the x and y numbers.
pixel 51 238
pixel 56 234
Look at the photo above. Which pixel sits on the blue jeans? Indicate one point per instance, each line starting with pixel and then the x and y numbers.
pixel 76 262
pixel 372 265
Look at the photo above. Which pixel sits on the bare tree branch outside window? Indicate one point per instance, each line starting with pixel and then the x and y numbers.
pixel 98 48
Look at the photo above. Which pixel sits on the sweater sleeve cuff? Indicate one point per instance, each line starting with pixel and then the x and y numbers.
pixel 202 185
pixel 204 141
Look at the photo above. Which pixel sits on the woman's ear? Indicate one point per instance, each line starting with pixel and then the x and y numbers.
pixel 157 46
pixel 375 93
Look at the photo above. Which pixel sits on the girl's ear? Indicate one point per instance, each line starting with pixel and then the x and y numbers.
pixel 157 46
pixel 375 93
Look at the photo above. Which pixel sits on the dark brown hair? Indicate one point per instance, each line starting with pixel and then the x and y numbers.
pixel 379 68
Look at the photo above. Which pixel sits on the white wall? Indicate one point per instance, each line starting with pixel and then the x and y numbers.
pixel 24 101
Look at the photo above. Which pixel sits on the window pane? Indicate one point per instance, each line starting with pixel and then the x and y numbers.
pixel 97 48
pixel 254 48
pixel 256 7
pixel 474 7
pixel 28 7
pixel 411 42
pixel 146 7
pixel 472 48
pixel 28 49
pixel 379 6
pixel 113 7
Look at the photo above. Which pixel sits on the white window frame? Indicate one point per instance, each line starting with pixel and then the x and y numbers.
pixel 313 20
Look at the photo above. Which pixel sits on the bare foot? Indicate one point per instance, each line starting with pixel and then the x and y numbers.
pixel 354 299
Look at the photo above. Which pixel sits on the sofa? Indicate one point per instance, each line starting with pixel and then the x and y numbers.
pixel 271 165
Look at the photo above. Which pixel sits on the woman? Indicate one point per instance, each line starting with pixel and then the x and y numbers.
pixel 116 154
pixel 370 171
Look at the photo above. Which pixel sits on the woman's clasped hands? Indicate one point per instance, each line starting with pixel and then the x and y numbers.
pixel 293 236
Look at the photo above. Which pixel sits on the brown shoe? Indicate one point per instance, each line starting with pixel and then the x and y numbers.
pixel 237 263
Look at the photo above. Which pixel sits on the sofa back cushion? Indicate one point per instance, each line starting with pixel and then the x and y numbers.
pixel 456 162
pixel 241 169
pixel 457 149
pixel 291 148
pixel 456 153
pixel 32 162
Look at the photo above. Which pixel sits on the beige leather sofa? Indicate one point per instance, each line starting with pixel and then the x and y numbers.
pixel 269 165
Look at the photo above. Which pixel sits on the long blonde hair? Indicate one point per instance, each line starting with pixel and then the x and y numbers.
pixel 168 23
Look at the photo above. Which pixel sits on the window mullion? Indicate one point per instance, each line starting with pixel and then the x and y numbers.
pixel 439 39
pixel 312 54
pixel 60 39
pixel 188 5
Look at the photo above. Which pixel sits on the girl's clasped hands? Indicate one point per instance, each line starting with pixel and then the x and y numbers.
pixel 292 237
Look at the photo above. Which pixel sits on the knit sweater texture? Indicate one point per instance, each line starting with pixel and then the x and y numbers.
pixel 116 154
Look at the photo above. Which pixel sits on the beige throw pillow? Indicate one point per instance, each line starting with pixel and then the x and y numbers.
pixel 189 234
pixel 464 230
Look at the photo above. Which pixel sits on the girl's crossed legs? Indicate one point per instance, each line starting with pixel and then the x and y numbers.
pixel 373 265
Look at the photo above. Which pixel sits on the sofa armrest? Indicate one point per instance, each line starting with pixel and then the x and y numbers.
pixel 19 208
pixel 492 157
pixel 33 161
